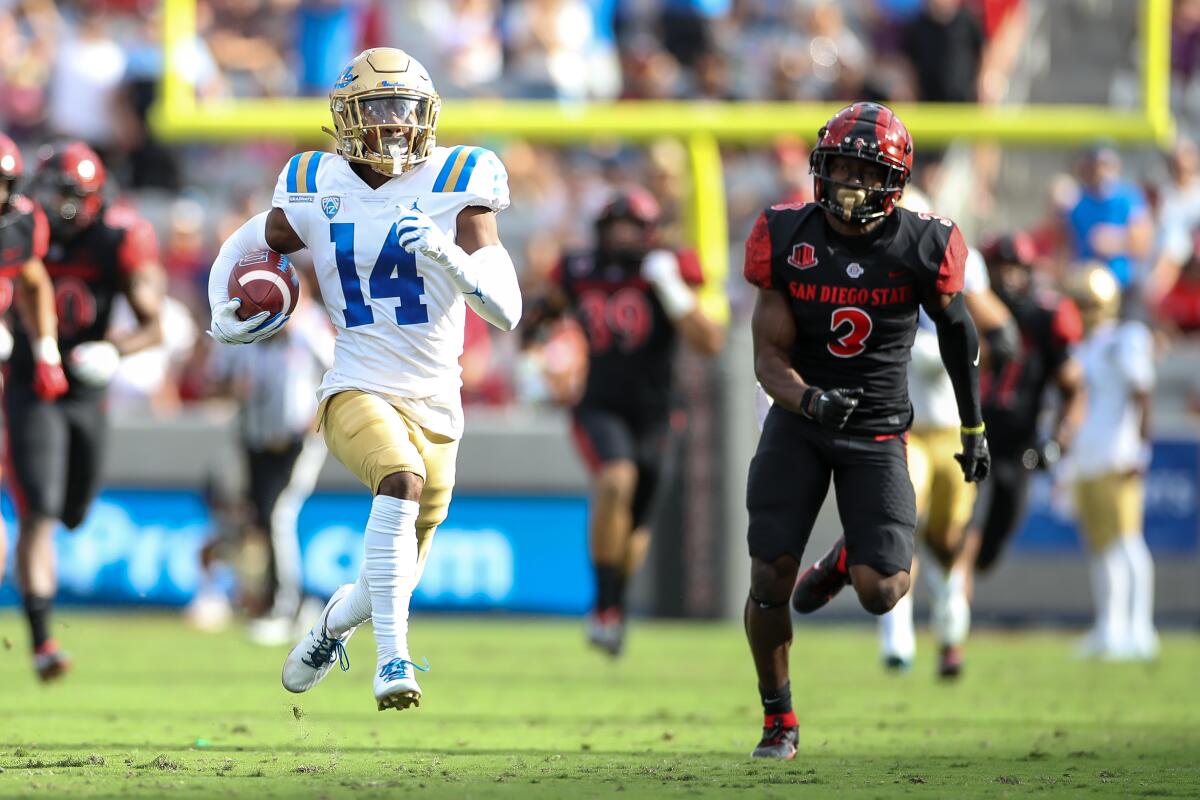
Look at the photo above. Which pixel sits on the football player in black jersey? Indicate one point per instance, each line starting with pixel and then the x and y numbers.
pixel 1014 396
pixel 634 299
pixel 25 286
pixel 56 446
pixel 840 282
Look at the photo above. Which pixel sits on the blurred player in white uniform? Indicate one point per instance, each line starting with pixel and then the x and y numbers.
pixel 403 238
pixel 944 501
pixel 1109 460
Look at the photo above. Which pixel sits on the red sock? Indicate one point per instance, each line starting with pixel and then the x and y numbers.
pixel 788 719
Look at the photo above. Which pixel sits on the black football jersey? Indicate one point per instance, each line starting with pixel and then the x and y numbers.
pixel 631 340
pixel 1013 397
pixel 88 272
pixel 855 299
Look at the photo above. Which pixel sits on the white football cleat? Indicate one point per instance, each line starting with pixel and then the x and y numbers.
pixel 311 660
pixel 396 684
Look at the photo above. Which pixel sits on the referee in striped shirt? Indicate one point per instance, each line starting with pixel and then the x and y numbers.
pixel 275 384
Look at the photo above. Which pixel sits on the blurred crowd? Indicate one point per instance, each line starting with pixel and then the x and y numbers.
pixel 89 69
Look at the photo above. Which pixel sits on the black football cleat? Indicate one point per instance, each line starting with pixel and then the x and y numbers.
pixel 779 740
pixel 819 583
pixel 606 630
pixel 950 664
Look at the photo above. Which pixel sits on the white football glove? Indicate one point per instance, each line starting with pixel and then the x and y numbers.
pixel 94 363
pixel 228 329
pixel 661 270
pixel 419 234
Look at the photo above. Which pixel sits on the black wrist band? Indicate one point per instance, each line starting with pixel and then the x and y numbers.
pixel 806 400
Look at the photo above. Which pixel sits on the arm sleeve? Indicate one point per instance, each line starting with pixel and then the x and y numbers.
pixel 959 345
pixel 487 180
pixel 489 281
pixel 250 238
pixel 757 268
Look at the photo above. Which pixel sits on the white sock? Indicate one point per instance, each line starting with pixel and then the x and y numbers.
pixel 951 613
pixel 353 609
pixel 896 634
pixel 1141 573
pixel 390 566
pixel 1110 588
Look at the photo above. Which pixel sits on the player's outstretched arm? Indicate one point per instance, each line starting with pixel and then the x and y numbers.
pixel 959 344
pixel 1069 379
pixel 270 229
pixel 662 269
pixel 34 299
pixel 476 260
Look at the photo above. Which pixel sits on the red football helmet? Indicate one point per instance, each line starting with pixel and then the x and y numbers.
pixel 870 132
pixel 630 204
pixel 11 168
pixel 1009 248
pixel 70 185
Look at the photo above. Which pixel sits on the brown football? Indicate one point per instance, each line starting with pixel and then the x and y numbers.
pixel 265 281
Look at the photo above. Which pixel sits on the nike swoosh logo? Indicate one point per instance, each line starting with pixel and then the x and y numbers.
pixel 975 363
pixel 899 274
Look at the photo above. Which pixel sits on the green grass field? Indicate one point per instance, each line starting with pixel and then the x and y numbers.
pixel 519 708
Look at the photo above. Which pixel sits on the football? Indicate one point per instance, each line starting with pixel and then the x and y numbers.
pixel 264 281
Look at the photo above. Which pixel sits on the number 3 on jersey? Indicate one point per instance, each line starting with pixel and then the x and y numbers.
pixel 393 276
pixel 853 341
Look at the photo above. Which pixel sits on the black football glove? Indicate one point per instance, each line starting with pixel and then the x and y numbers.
pixel 830 408
pixel 975 460
pixel 1044 456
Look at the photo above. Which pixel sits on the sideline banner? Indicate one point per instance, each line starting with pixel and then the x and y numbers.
pixel 1172 522
pixel 142 546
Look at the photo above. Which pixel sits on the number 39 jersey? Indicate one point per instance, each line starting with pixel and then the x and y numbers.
pixel 855 299
pixel 631 340
pixel 399 317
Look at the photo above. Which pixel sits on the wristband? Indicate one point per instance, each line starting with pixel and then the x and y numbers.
pixel 971 431
pixel 806 400
pixel 45 350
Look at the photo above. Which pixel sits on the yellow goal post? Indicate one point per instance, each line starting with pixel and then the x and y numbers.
pixel 701 126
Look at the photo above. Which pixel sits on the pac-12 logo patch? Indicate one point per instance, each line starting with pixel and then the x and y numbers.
pixel 803 256
pixel 331 206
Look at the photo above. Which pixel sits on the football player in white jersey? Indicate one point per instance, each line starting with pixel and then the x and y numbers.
pixel 1109 459
pixel 403 237
pixel 944 501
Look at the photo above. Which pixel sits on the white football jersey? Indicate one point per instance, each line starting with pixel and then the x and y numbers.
pixel 399 317
pixel 929 386
pixel 1118 361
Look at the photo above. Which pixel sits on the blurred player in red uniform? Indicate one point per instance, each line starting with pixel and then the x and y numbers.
pixel 840 283
pixel 24 284
pixel 1015 393
pixel 56 446
pixel 634 299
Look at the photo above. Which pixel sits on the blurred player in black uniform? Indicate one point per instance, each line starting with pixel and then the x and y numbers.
pixel 25 286
pixel 56 446
pixel 1015 394
pixel 840 283
pixel 633 299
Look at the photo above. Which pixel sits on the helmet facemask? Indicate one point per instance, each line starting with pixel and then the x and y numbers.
pixel 856 203
pixel 389 131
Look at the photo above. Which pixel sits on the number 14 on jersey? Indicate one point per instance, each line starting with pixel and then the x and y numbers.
pixel 394 276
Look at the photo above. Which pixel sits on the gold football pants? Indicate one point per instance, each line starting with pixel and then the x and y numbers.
pixel 374 439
